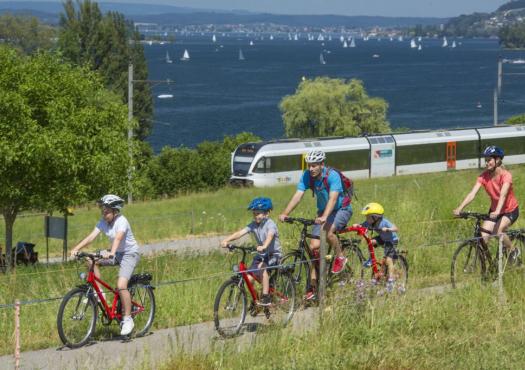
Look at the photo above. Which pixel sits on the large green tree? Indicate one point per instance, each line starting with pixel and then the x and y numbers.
pixel 513 36
pixel 108 43
pixel 327 107
pixel 26 33
pixel 63 136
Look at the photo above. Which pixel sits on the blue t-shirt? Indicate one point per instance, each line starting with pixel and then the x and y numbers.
pixel 260 233
pixel 321 193
pixel 388 236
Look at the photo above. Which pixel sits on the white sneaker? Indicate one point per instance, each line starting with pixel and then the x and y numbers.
pixel 127 326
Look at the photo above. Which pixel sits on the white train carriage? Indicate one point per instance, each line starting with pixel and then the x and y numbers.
pixel 282 162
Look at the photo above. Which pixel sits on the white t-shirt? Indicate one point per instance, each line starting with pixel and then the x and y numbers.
pixel 128 244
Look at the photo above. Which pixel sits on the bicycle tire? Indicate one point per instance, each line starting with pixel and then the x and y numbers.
pixel 400 273
pixel 518 241
pixel 300 271
pixel 468 264
pixel 230 295
pixel 283 298
pixel 73 309
pixel 353 270
pixel 144 296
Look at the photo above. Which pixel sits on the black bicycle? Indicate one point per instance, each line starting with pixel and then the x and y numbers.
pixel 301 260
pixel 474 260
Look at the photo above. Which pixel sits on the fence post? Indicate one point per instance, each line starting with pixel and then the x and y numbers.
pixel 322 270
pixel 500 269
pixel 192 222
pixel 17 334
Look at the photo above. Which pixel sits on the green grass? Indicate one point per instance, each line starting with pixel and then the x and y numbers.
pixel 420 205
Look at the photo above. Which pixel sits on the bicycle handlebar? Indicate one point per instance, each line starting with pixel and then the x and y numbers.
pixel 92 256
pixel 476 215
pixel 232 247
pixel 304 221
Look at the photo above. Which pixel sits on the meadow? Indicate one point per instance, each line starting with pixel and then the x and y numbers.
pixel 418 331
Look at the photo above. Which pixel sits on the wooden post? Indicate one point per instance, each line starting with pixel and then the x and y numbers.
pixel 17 334
pixel 322 270
pixel 500 270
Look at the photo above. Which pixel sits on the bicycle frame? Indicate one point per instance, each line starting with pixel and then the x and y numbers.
pixel 362 232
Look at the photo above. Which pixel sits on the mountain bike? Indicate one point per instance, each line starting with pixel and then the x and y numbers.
pixel 231 301
pixel 474 260
pixel 301 260
pixel 81 306
pixel 380 273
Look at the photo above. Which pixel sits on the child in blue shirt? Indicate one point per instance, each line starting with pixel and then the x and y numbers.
pixel 387 237
pixel 266 235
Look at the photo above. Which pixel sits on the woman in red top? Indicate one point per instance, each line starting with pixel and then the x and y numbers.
pixel 497 182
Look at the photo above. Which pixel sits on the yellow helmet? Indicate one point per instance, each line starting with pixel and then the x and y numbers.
pixel 373 209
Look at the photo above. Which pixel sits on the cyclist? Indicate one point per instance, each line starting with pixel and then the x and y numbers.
pixel 333 209
pixel 266 235
pixel 497 182
pixel 387 237
pixel 124 251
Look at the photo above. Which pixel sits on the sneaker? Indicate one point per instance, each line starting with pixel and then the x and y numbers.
pixel 339 264
pixel 127 326
pixel 367 263
pixel 310 295
pixel 390 285
pixel 265 300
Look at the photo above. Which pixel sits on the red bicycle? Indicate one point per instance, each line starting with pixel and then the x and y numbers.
pixel 229 310
pixel 380 268
pixel 78 312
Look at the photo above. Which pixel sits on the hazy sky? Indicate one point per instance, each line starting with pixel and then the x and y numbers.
pixel 412 8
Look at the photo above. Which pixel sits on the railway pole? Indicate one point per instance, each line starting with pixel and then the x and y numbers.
pixel 322 271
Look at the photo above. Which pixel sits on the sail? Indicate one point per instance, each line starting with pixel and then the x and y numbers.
pixel 321 59
pixel 186 55
pixel 419 47
pixel 214 39
pixel 445 42
pixel 352 43
pixel 345 45
pixel 453 44
pixel 413 44
pixel 241 55
pixel 168 59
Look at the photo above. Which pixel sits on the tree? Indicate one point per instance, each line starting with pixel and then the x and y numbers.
pixel 328 107
pixel 516 120
pixel 512 36
pixel 108 43
pixel 26 33
pixel 63 136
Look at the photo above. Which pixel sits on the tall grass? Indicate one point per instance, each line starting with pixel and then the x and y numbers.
pixel 420 205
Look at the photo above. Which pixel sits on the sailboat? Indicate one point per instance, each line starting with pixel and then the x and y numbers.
pixel 321 59
pixel 296 37
pixel 453 44
pixel 271 37
pixel 419 47
pixel 352 43
pixel 413 44
pixel 241 55
pixel 185 56
pixel 168 59
pixel 214 39
pixel 251 43
pixel 345 45
pixel 419 38
pixel 445 42
pixel 341 38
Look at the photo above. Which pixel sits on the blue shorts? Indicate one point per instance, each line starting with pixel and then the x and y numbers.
pixel 338 218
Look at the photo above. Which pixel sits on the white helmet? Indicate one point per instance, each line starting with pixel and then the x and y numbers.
pixel 315 156
pixel 111 201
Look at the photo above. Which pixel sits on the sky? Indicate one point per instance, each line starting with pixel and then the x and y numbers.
pixel 397 8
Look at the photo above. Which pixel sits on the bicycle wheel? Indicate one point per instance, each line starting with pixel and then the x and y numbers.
pixel 400 273
pixel 353 270
pixel 300 271
pixel 516 254
pixel 142 308
pixel 468 264
pixel 283 296
pixel 229 310
pixel 77 318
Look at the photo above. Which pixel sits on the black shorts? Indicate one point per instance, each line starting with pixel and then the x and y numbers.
pixel 512 216
pixel 390 247
pixel 268 261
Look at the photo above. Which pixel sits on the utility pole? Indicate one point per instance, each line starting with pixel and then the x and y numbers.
pixel 495 107
pixel 131 81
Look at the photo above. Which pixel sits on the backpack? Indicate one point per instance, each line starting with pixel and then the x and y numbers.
pixel 348 185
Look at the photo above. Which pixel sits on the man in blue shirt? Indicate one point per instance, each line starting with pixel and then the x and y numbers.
pixel 333 208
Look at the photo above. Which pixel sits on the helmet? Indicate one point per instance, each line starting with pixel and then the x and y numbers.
pixel 111 201
pixel 261 204
pixel 373 209
pixel 315 156
pixel 493 151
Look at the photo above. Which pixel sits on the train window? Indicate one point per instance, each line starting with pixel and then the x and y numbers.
pixel 421 153
pixel 373 140
pixel 284 163
pixel 389 139
pixel 261 165
pixel 510 145
pixel 350 160
pixel 467 150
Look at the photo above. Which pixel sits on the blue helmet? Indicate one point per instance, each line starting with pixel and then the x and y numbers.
pixel 493 151
pixel 261 204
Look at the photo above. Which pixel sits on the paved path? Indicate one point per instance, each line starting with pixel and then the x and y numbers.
pixel 154 349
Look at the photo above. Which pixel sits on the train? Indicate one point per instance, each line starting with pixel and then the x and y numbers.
pixel 281 162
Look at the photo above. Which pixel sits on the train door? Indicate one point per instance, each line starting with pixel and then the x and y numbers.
pixel 382 156
pixel 451 155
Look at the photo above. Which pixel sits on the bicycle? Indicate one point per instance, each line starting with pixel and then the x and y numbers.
pixel 81 306
pixel 380 272
pixel 301 260
pixel 230 307
pixel 473 260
